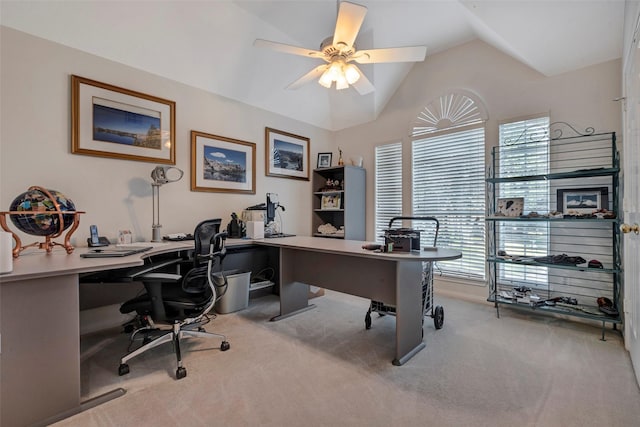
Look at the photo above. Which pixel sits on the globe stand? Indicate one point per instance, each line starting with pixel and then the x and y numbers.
pixel 48 244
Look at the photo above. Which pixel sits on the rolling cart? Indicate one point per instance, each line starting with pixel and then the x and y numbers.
pixel 406 239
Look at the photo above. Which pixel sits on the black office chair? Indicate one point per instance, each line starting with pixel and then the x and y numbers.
pixel 181 301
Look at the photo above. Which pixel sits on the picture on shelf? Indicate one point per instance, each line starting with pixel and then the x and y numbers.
pixel 579 201
pixel 511 207
pixel 330 202
pixel 324 160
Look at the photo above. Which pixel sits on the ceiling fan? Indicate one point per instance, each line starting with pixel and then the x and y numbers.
pixel 339 52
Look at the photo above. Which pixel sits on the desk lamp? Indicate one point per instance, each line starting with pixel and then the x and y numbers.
pixel 161 175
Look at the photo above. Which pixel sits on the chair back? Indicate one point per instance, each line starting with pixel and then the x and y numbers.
pixel 202 236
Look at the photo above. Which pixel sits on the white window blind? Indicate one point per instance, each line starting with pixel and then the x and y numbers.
pixel 524 150
pixel 449 184
pixel 388 186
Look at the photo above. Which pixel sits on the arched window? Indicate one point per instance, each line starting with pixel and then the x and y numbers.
pixel 448 167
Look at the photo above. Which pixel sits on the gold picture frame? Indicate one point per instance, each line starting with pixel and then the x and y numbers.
pixel 222 165
pixel 287 155
pixel 110 121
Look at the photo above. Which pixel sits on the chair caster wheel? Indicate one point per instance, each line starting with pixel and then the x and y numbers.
pixel 224 346
pixel 438 317
pixel 181 372
pixel 128 329
pixel 201 329
pixel 367 321
pixel 123 369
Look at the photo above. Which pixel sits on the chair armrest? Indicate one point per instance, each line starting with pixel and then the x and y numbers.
pixel 135 272
pixel 159 277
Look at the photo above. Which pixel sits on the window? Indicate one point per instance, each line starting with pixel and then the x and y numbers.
pixel 388 191
pixel 529 239
pixel 449 184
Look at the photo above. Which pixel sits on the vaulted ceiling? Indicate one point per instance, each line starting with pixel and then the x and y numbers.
pixel 209 44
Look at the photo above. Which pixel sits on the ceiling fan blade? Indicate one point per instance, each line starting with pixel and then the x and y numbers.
pixel 310 76
pixel 363 85
pixel 350 17
pixel 287 48
pixel 393 54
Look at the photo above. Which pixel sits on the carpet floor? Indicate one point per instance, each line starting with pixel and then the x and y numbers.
pixel 323 368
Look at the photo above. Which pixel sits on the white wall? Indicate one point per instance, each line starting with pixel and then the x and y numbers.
pixel 507 88
pixel 35 145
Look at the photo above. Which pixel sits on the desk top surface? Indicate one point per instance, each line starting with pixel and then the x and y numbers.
pixel 33 264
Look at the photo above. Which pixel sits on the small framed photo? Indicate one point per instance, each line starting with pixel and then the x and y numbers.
pixel 580 201
pixel 109 121
pixel 287 155
pixel 330 202
pixel 222 165
pixel 512 207
pixel 324 160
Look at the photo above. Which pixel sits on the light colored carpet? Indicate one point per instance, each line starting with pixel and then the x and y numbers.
pixel 322 368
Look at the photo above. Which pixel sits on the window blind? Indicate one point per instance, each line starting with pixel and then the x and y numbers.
pixel 524 150
pixel 449 184
pixel 388 186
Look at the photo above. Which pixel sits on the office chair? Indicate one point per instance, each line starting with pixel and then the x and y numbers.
pixel 181 301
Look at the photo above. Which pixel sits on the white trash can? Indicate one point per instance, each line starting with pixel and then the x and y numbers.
pixel 236 297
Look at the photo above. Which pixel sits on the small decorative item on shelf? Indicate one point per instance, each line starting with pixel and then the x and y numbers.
pixel 340 161
pixel 324 160
pixel 42 212
pixel 511 207
pixel 332 185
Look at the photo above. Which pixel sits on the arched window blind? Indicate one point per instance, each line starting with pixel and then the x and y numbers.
pixel 448 165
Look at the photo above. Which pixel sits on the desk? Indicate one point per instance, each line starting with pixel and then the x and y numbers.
pixel 40 334
pixel 342 265
pixel 40 327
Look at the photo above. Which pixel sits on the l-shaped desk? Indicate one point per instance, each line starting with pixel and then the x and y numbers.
pixel 40 366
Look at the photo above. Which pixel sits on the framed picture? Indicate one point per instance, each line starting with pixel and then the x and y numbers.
pixel 222 165
pixel 330 202
pixel 510 206
pixel 109 121
pixel 579 201
pixel 287 155
pixel 324 160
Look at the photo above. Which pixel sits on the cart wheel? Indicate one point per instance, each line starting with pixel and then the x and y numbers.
pixel 224 346
pixel 438 317
pixel 367 320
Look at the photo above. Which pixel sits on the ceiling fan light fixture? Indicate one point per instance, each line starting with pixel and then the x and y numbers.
pixel 325 79
pixel 341 82
pixel 351 74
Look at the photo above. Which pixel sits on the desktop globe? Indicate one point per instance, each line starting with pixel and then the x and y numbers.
pixel 50 206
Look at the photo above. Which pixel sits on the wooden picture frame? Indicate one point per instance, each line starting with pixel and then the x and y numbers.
pixel 222 165
pixel 110 121
pixel 286 155
pixel 324 160
pixel 331 202
pixel 580 201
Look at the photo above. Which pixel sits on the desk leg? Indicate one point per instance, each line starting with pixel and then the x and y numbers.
pixel 408 311
pixel 294 296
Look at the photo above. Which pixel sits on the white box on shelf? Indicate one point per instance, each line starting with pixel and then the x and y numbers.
pixel 255 229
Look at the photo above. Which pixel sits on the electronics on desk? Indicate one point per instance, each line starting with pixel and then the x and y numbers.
pixel 115 252
pixel 95 240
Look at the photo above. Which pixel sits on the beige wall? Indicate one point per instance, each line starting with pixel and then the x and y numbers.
pixel 116 194
pixel 507 88
pixel 35 131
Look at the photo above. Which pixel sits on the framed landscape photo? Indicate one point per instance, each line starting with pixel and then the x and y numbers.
pixel 109 121
pixel 580 201
pixel 287 155
pixel 222 165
